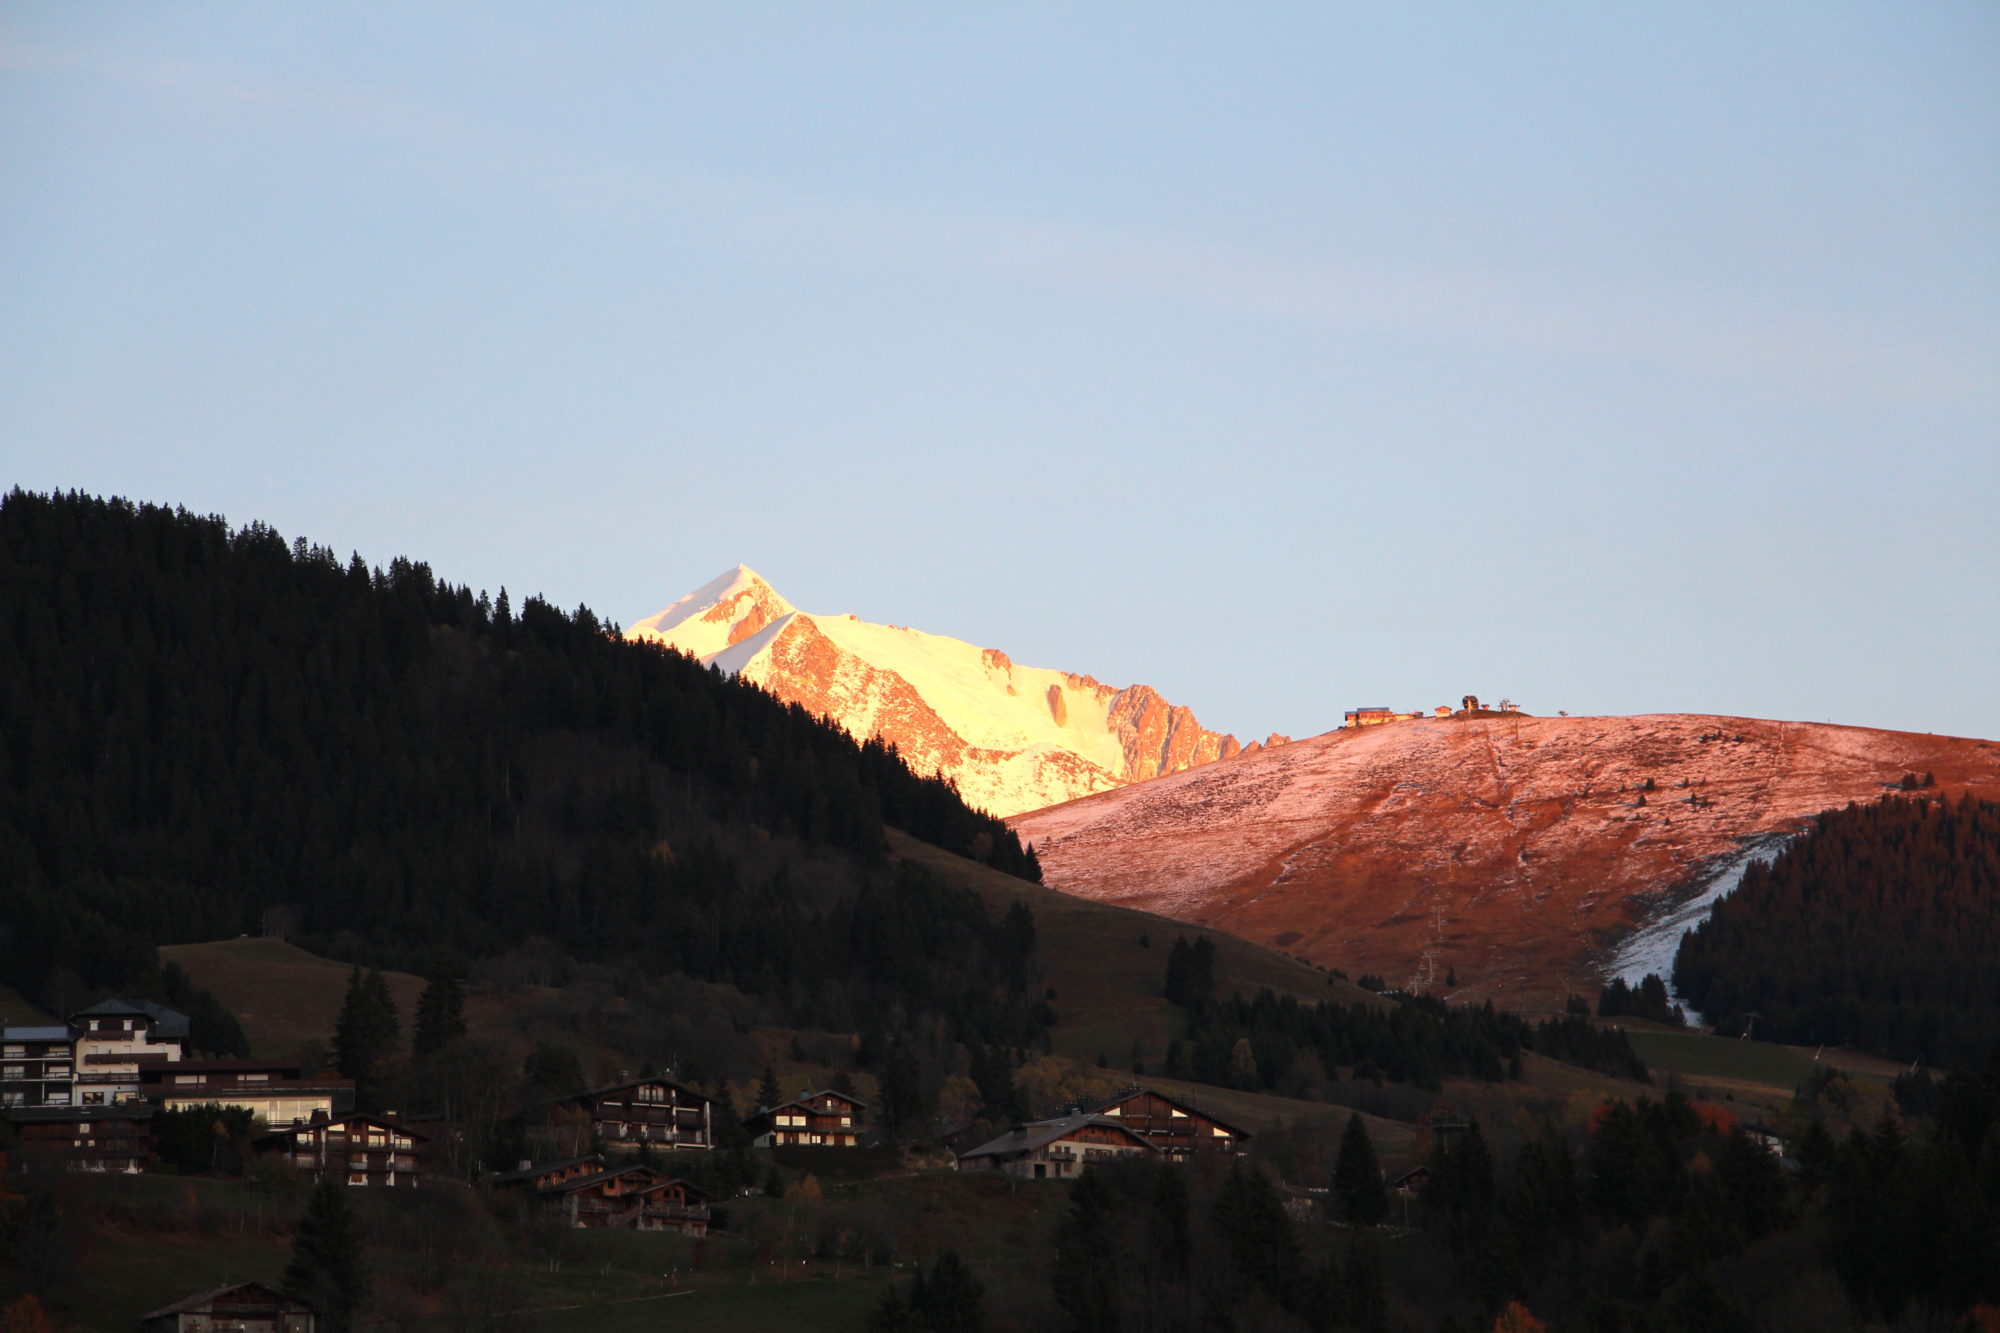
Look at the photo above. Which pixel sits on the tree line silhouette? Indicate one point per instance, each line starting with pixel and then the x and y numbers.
pixel 1878 928
pixel 207 731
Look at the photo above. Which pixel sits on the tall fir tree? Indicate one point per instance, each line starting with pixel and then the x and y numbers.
pixel 328 1270
pixel 440 1010
pixel 366 1033
pixel 1357 1176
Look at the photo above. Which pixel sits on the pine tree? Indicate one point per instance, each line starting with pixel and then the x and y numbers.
pixel 1357 1176
pixel 768 1092
pixel 440 1010
pixel 951 1300
pixel 1251 1218
pixel 366 1032
pixel 327 1269
pixel 1083 1272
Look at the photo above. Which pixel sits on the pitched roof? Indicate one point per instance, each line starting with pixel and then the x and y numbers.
pixel 1039 1134
pixel 1119 1100
pixel 170 1023
pixel 596 1094
pixel 202 1299
pixel 342 1119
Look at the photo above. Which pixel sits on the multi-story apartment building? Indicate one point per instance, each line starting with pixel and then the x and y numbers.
pixel 37 1066
pixel 118 1038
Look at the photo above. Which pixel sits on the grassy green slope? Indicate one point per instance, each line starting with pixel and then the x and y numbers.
pixel 1107 983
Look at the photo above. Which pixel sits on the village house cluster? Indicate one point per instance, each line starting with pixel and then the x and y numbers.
pixel 85 1091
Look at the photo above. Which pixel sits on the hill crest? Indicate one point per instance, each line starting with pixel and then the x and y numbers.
pixel 1515 851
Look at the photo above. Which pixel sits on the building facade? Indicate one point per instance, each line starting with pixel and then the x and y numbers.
pixel 586 1192
pixel 358 1149
pixel 275 1094
pixel 818 1119
pixel 249 1307
pixel 1056 1149
pixel 657 1113
pixel 1174 1127
pixel 37 1066
pixel 86 1138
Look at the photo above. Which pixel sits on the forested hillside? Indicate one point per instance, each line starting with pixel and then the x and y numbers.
pixel 207 731
pixel 1879 928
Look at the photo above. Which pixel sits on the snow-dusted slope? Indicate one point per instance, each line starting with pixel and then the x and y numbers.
pixel 1521 852
pixel 1014 738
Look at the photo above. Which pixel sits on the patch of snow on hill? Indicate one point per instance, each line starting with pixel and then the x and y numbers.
pixel 1652 947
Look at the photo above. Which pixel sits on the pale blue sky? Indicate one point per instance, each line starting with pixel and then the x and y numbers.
pixel 1617 358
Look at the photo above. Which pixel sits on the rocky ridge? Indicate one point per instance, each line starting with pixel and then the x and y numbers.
pixel 1013 738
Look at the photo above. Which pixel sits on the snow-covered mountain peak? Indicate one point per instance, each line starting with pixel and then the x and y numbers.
pixel 724 611
pixel 1014 738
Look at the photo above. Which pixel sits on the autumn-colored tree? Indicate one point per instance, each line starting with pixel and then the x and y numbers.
pixel 26 1315
pixel 1516 1319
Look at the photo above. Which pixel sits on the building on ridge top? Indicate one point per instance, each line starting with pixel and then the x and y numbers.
pixel 1375 717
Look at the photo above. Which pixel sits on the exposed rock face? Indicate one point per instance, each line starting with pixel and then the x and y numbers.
pixel 1518 851
pixel 1013 738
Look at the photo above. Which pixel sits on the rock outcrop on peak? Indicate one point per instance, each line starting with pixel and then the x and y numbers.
pixel 1520 853
pixel 1013 738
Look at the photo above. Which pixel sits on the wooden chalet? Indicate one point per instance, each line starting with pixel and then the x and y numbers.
pixel 359 1149
pixel 1056 1148
pixel 825 1118
pixel 585 1192
pixel 37 1066
pixel 249 1307
pixel 653 1112
pixel 1174 1127
pixel 276 1094
pixel 86 1138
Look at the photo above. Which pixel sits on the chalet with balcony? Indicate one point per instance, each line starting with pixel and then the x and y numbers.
pixel 655 1112
pixel 585 1192
pixel 276 1094
pixel 86 1138
pixel 115 1040
pixel 823 1119
pixel 359 1149
pixel 249 1307
pixel 37 1066
pixel 1174 1127
pixel 1056 1149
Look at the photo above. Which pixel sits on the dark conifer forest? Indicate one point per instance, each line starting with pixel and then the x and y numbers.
pixel 207 731
pixel 1879 928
